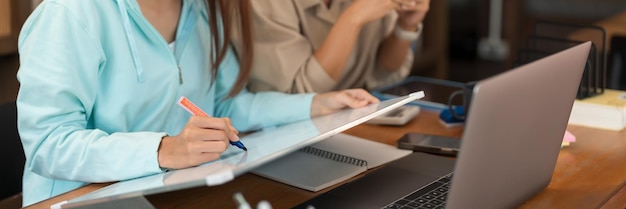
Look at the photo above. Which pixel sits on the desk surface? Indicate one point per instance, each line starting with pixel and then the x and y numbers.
pixel 587 174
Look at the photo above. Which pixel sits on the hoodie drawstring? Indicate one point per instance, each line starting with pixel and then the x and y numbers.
pixel 131 40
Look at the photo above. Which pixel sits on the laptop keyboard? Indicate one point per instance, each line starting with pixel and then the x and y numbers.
pixel 431 196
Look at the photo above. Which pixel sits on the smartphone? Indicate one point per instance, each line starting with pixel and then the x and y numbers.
pixel 441 145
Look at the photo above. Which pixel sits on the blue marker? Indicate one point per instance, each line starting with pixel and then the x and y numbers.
pixel 239 144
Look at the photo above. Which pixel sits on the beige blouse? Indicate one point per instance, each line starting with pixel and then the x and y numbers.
pixel 288 32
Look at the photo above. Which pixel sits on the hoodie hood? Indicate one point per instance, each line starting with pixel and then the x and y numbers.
pixel 188 19
pixel 131 40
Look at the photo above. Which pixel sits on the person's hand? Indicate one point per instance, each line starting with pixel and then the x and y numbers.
pixel 202 140
pixel 365 11
pixel 330 102
pixel 411 13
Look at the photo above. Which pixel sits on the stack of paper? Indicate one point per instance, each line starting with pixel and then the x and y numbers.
pixel 605 111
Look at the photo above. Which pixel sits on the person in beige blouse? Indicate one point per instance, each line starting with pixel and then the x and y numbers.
pixel 325 45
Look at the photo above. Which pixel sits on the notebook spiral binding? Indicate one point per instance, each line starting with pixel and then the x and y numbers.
pixel 334 156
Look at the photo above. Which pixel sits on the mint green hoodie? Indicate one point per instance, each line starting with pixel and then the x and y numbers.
pixel 99 87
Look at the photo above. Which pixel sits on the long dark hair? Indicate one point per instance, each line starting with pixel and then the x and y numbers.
pixel 232 13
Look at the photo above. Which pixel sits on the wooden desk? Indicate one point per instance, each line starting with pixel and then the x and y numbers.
pixel 618 200
pixel 587 174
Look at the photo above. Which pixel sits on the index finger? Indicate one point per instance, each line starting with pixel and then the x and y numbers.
pixel 197 111
pixel 222 124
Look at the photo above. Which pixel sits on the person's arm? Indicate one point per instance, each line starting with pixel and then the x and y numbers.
pixel 394 49
pixel 253 111
pixel 286 61
pixel 58 74
pixel 338 45
pixel 382 76
pixel 283 57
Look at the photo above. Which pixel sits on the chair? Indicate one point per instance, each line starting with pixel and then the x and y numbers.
pixel 12 157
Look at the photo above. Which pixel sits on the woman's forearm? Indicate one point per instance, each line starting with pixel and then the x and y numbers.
pixel 338 45
pixel 393 51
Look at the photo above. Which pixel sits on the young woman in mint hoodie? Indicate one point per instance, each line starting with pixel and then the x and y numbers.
pixel 100 80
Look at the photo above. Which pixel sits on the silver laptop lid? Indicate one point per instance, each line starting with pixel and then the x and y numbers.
pixel 514 131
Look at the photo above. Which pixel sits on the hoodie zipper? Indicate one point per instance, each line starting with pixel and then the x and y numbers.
pixel 182 36
pixel 180 75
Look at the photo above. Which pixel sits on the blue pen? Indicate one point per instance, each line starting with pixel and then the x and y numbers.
pixel 195 110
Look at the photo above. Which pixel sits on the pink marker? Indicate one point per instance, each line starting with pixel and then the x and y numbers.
pixel 196 111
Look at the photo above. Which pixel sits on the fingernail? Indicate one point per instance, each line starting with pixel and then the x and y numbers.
pixel 235 137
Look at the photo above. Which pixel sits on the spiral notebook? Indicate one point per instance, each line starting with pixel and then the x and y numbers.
pixel 329 162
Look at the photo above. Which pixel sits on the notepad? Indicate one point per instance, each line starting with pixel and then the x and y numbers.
pixel 329 162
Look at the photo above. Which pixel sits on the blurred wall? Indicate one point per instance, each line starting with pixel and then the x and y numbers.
pixel 5 17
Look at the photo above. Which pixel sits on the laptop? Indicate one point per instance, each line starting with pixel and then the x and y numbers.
pixel 509 147
pixel 263 146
